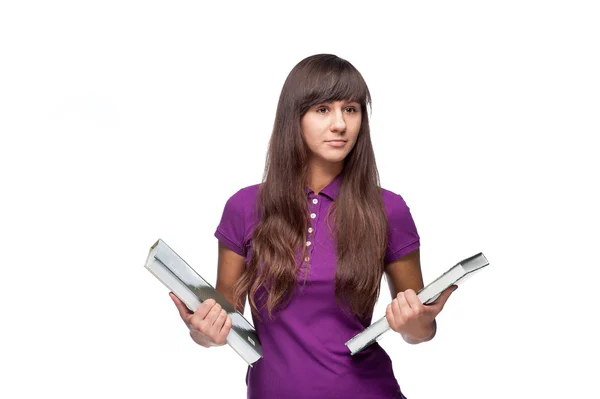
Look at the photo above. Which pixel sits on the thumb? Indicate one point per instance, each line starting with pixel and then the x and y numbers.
pixel 441 300
pixel 184 312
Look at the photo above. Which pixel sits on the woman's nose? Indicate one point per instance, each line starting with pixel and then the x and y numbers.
pixel 338 122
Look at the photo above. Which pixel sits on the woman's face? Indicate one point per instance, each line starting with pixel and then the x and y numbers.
pixel 330 130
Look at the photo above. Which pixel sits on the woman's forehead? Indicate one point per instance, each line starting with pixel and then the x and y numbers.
pixel 340 101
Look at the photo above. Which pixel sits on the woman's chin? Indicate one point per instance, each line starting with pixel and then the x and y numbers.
pixel 333 159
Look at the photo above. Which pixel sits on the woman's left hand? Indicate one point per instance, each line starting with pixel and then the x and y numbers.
pixel 413 320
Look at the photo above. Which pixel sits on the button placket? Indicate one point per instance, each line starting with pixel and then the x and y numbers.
pixel 311 229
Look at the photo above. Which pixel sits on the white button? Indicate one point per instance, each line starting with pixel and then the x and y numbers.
pixel 307 259
pixel 310 229
pixel 313 215
pixel 315 201
pixel 308 243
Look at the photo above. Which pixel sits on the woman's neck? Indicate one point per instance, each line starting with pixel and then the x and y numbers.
pixel 320 174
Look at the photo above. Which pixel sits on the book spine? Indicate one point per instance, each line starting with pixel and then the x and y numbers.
pixel 368 336
pixel 189 298
pixel 474 262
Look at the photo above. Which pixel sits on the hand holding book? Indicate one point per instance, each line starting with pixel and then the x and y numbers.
pixel 197 300
pixel 209 325
pixel 408 316
pixel 429 294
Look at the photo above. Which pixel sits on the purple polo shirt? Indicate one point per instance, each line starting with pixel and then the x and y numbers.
pixel 304 356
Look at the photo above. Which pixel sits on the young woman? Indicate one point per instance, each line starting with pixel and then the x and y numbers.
pixel 309 245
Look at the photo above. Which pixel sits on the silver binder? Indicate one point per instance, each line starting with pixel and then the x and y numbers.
pixel 457 274
pixel 175 273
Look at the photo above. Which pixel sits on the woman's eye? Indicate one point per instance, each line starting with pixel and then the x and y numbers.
pixel 350 109
pixel 322 110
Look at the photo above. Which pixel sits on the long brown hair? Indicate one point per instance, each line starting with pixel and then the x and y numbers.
pixel 358 212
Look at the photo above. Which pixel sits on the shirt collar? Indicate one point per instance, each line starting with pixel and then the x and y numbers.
pixel 331 190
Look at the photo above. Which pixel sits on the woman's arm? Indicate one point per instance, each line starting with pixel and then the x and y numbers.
pixel 406 314
pixel 209 325
pixel 405 273
pixel 229 270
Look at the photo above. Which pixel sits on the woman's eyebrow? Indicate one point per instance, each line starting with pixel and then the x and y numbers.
pixel 345 103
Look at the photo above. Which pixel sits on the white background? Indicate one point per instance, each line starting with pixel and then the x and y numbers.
pixel 122 122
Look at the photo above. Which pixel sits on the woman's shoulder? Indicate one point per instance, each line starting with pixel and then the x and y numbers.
pixel 238 219
pixel 403 236
pixel 245 195
pixel 242 203
pixel 392 199
pixel 396 207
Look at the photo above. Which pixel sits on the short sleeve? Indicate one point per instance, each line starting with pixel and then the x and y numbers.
pixel 231 231
pixel 403 237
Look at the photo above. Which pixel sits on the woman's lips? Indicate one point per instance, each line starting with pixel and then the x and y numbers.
pixel 336 143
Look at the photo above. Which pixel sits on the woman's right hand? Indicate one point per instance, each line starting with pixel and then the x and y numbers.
pixel 208 325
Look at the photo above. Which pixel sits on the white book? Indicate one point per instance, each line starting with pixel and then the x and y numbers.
pixel 457 274
pixel 192 289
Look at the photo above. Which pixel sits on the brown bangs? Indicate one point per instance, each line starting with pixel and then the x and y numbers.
pixel 332 79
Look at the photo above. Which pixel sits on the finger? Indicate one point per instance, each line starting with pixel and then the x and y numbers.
pixel 397 310
pixel 212 316
pixel 217 324
pixel 205 307
pixel 412 299
pixel 220 320
pixel 389 314
pixel 204 323
pixel 222 336
pixel 183 310
pixel 404 306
